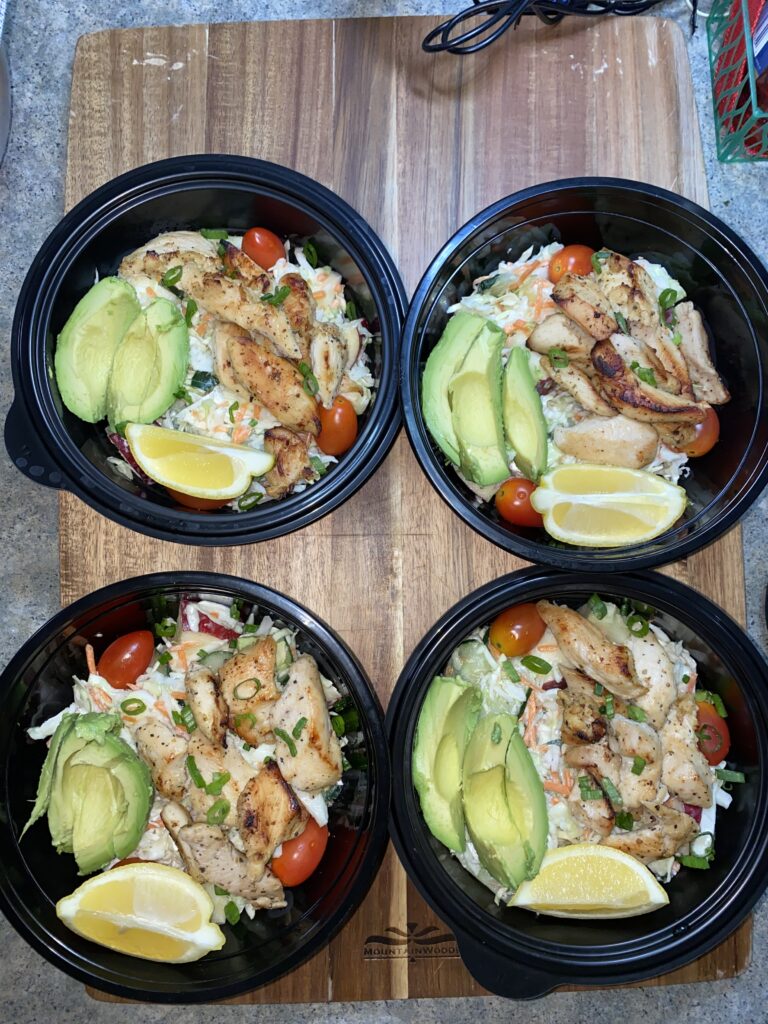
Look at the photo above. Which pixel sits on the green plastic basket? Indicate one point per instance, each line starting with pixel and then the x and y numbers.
pixel 741 126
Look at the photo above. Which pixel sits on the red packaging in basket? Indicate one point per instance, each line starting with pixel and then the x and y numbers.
pixel 732 87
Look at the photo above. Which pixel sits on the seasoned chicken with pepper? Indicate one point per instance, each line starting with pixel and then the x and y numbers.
pixel 660 832
pixel 685 771
pixel 609 441
pixel 581 300
pixel 268 814
pixel 165 752
pixel 249 690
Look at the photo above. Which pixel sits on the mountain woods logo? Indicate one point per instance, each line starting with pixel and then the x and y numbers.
pixel 412 944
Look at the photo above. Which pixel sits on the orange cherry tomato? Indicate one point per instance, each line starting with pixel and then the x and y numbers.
pixel 707 435
pixel 126 658
pixel 517 630
pixel 263 246
pixel 513 503
pixel 713 733
pixel 573 259
pixel 300 856
pixel 338 427
pixel 198 504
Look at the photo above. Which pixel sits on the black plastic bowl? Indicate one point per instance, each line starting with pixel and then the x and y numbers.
pixel 38 683
pixel 721 275
pixel 518 954
pixel 52 446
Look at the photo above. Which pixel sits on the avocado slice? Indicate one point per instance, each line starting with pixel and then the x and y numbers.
pixel 443 361
pixel 446 720
pixel 527 802
pixel 87 344
pixel 475 396
pixel 524 424
pixel 149 365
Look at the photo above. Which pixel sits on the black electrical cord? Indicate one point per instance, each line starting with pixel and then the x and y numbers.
pixel 498 15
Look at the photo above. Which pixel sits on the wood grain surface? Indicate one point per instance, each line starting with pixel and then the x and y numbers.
pixel 417 144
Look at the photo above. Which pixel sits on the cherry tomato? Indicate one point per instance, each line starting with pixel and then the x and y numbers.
pixel 300 856
pixel 714 737
pixel 198 504
pixel 513 503
pixel 126 658
pixel 573 259
pixel 338 427
pixel 517 630
pixel 263 246
pixel 707 435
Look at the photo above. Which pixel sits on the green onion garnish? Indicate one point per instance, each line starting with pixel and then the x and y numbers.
pixel 203 381
pixel 217 812
pixel 496 733
pixel 310 380
pixel 588 791
pixel 183 395
pixel 597 606
pixel 637 625
pixel 625 820
pixel 248 717
pixel 287 740
pixel 609 708
pixel 318 465
pixel 231 912
pixel 692 861
pixel 351 310
pixel 559 358
pixel 638 764
pixel 248 501
pixel 707 697
pixel 636 714
pixel 597 259
pixel 726 775
pixel 235 609
pixel 599 689
pixel 217 783
pixel 232 410
pixel 247 688
pixel 232 644
pixel 611 792
pixel 278 297
pixel 511 671
pixel 194 772
pixel 189 311
pixel 185 719
pixel 621 321
pixel 134 706
pixel 247 746
pixel 213 233
pixel 667 300
pixel 297 730
pixel 338 725
pixel 172 276
pixel 643 373
pixel 537 665
pixel 250 627
pixel 686 678
pixel 310 254
pixel 219 891
pixel 677 338
pixel 165 628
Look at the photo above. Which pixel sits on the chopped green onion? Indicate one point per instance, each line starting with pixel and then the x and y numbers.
pixel 310 380
pixel 338 725
pixel 496 733
pixel 597 606
pixel 559 358
pixel 252 687
pixel 163 662
pixel 248 717
pixel 250 627
pixel 638 764
pixel 611 792
pixel 609 708
pixel 351 719
pixel 172 276
pixel 215 234
pixel 232 644
pixel 297 730
pixel 489 282
pixel 189 311
pixel 511 671
pixel 133 706
pixel 310 254
pixel 165 628
pixel 278 297
pixel 726 775
pixel 217 812
pixel 588 791
pixel 707 697
pixel 318 465
pixel 686 678
pixel 599 689
pixel 637 625
pixel 217 783
pixel 677 338
pixel 231 912
pixel 247 746
pixel 185 719
pixel 235 609
pixel 268 760
pixel 194 772
pixel 221 249
pixel 183 395
pixel 351 310
pixel 597 259
pixel 248 501
pixel 692 861
pixel 625 820
pixel 643 373
pixel 219 891
pixel 621 321
pixel 283 735
pixel 537 665
pixel 232 410
pixel 667 300
pixel 636 714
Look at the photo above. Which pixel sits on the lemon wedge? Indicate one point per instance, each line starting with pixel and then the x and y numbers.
pixel 145 910
pixel 590 881
pixel 199 466
pixel 606 506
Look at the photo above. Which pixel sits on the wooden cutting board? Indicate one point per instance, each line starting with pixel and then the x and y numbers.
pixel 417 144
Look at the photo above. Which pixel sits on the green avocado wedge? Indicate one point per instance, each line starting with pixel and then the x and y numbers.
pixel 524 424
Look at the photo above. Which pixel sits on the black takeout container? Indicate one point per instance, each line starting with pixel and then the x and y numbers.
pixel 721 275
pixel 38 683
pixel 52 446
pixel 521 955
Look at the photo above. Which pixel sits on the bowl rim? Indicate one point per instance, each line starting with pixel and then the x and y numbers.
pixel 34 410
pixel 439 476
pixel 552 964
pixel 84 968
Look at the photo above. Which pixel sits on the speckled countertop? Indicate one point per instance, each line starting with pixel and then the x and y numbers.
pixel 41 40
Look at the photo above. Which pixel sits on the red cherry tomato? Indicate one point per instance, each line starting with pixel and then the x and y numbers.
pixel 198 504
pixel 338 427
pixel 573 259
pixel 300 856
pixel 263 246
pixel 517 630
pixel 126 658
pixel 513 503
pixel 714 737
pixel 707 435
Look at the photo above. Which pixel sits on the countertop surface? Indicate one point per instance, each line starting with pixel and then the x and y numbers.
pixel 41 40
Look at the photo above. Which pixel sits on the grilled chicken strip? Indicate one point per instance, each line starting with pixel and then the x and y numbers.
pixel 685 771
pixel 250 273
pixel 584 647
pixel 225 371
pixel 272 380
pixel 165 752
pixel 214 762
pixel 609 441
pixel 249 690
pixel 632 350
pixel 328 354
pixel 636 399
pixel 582 301
pixel 210 857
pixel 659 833
pixel 579 386
pixel 597 759
pixel 180 246
pixel 582 719
pixel 707 385
pixel 291 461
pixel 597 815
pixel 633 740
pixel 559 331
pixel 675 435
pixel 299 306
pixel 316 764
pixel 659 338
pixel 268 814
pixel 206 703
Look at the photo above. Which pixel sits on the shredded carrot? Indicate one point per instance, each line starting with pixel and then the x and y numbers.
pixel 322 277
pixel 151 293
pixel 178 695
pixel 527 272
pixel 90 659
pixel 160 706
pixel 538 309
pixel 547 647
pixel 202 327
pixel 100 699
pixel 241 433
pixel 255 410
pixel 529 736
pixel 554 786
pixel 318 295
pixel 183 659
